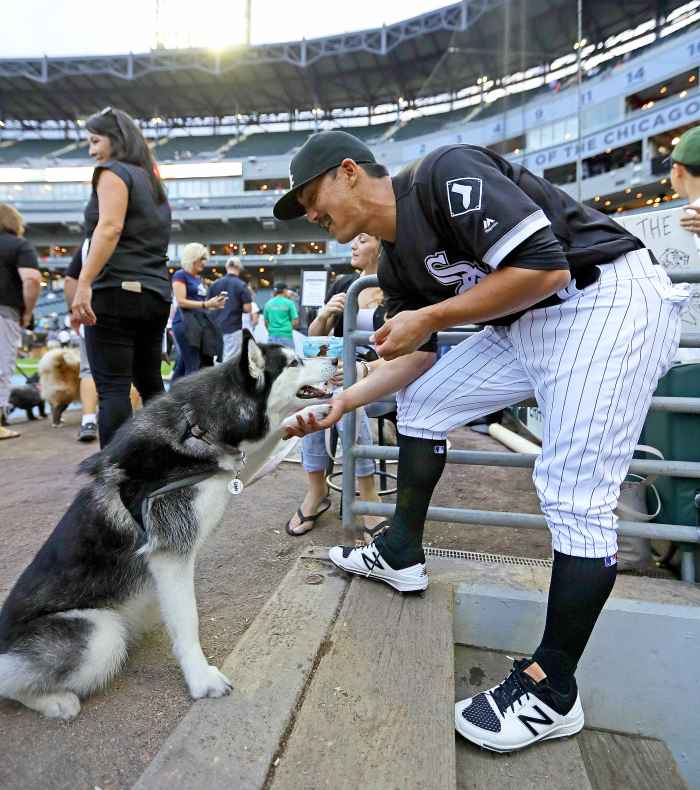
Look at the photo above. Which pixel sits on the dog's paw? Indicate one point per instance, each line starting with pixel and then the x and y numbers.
pixel 319 411
pixel 211 683
pixel 65 705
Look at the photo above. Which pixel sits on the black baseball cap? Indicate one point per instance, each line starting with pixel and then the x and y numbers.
pixel 319 154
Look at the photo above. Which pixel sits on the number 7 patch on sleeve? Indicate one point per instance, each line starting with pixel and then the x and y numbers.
pixel 464 195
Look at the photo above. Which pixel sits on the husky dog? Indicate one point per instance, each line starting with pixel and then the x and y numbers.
pixel 59 373
pixel 130 538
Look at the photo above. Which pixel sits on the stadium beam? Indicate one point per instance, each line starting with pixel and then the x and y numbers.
pixel 376 41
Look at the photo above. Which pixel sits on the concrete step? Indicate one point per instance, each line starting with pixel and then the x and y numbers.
pixel 343 683
pixel 378 711
pixel 339 682
pixel 592 760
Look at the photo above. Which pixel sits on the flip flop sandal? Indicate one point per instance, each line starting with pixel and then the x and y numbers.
pixel 326 502
pixel 373 532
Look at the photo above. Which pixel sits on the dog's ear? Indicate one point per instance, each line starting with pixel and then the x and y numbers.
pixel 252 360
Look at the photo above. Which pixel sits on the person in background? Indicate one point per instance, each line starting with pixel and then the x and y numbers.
pixel 251 318
pixel 20 283
pixel 123 292
pixel 88 391
pixel 198 338
pixel 281 317
pixel 314 457
pixel 685 179
pixel 239 302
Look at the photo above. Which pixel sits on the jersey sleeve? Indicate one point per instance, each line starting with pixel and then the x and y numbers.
pixel 293 312
pixel 485 212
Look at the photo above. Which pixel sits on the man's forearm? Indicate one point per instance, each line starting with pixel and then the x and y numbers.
pixel 506 291
pixel 387 378
pixel 102 245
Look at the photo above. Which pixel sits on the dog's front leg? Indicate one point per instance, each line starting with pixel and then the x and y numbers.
pixel 174 578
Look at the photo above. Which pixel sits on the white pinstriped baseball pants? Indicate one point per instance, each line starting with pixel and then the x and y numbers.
pixel 592 363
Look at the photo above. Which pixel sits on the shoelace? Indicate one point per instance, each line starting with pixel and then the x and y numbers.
pixel 512 689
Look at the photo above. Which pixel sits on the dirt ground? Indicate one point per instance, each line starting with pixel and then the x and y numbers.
pixel 120 730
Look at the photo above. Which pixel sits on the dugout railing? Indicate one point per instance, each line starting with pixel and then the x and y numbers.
pixel 682 534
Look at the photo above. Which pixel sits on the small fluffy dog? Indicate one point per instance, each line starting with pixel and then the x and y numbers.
pixel 59 375
pixel 27 397
pixel 129 540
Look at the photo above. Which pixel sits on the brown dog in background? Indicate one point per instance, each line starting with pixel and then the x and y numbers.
pixel 59 374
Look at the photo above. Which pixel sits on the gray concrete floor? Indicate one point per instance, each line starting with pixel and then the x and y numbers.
pixel 120 730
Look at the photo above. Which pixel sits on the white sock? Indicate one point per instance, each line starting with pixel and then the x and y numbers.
pixel 88 418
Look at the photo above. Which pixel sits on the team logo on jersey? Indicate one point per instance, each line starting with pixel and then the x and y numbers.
pixel 489 224
pixel 463 274
pixel 464 195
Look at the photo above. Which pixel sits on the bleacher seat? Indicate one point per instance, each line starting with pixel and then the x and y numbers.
pixel 268 144
pixel 418 126
pixel 190 147
pixel 30 149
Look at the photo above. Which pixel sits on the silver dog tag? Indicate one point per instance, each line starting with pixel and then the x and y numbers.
pixel 235 486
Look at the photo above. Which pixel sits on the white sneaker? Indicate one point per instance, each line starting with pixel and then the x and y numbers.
pixel 516 713
pixel 367 561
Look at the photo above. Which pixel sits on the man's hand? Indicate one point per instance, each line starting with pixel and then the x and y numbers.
pixel 402 334
pixel 312 425
pixel 81 308
pixel 691 219
pixel 26 318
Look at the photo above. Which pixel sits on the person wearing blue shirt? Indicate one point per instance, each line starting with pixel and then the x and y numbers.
pixel 230 317
pixel 192 328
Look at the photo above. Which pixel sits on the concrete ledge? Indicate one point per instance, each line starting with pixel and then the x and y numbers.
pixel 639 672
pixel 232 742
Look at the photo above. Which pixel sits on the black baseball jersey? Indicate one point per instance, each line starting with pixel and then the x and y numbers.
pixel 463 212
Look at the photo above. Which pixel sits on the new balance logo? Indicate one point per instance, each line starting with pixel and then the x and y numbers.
pixel 372 563
pixel 489 224
pixel 528 721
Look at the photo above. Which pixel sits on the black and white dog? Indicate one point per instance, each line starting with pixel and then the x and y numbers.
pixel 129 540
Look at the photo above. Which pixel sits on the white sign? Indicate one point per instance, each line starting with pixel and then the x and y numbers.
pixel 675 248
pixel 313 288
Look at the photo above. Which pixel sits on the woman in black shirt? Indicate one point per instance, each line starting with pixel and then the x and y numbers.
pixel 123 295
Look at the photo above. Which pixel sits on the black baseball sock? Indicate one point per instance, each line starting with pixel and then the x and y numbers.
pixel 577 593
pixel 421 462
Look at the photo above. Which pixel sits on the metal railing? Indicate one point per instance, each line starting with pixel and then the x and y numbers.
pixel 351 506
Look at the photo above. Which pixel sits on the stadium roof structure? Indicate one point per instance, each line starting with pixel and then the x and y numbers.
pixel 433 54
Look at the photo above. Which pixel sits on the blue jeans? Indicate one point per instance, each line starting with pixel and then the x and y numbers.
pixel 314 457
pixel 283 341
pixel 232 344
pixel 189 359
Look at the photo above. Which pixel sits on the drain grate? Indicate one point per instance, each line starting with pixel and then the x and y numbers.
pixel 478 556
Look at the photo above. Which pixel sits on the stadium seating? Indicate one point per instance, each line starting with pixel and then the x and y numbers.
pixel 267 144
pixel 30 149
pixel 190 147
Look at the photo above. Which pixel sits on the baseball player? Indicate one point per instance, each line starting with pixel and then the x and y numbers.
pixel 575 313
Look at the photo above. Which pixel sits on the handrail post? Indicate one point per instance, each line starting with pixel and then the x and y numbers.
pixel 351 529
